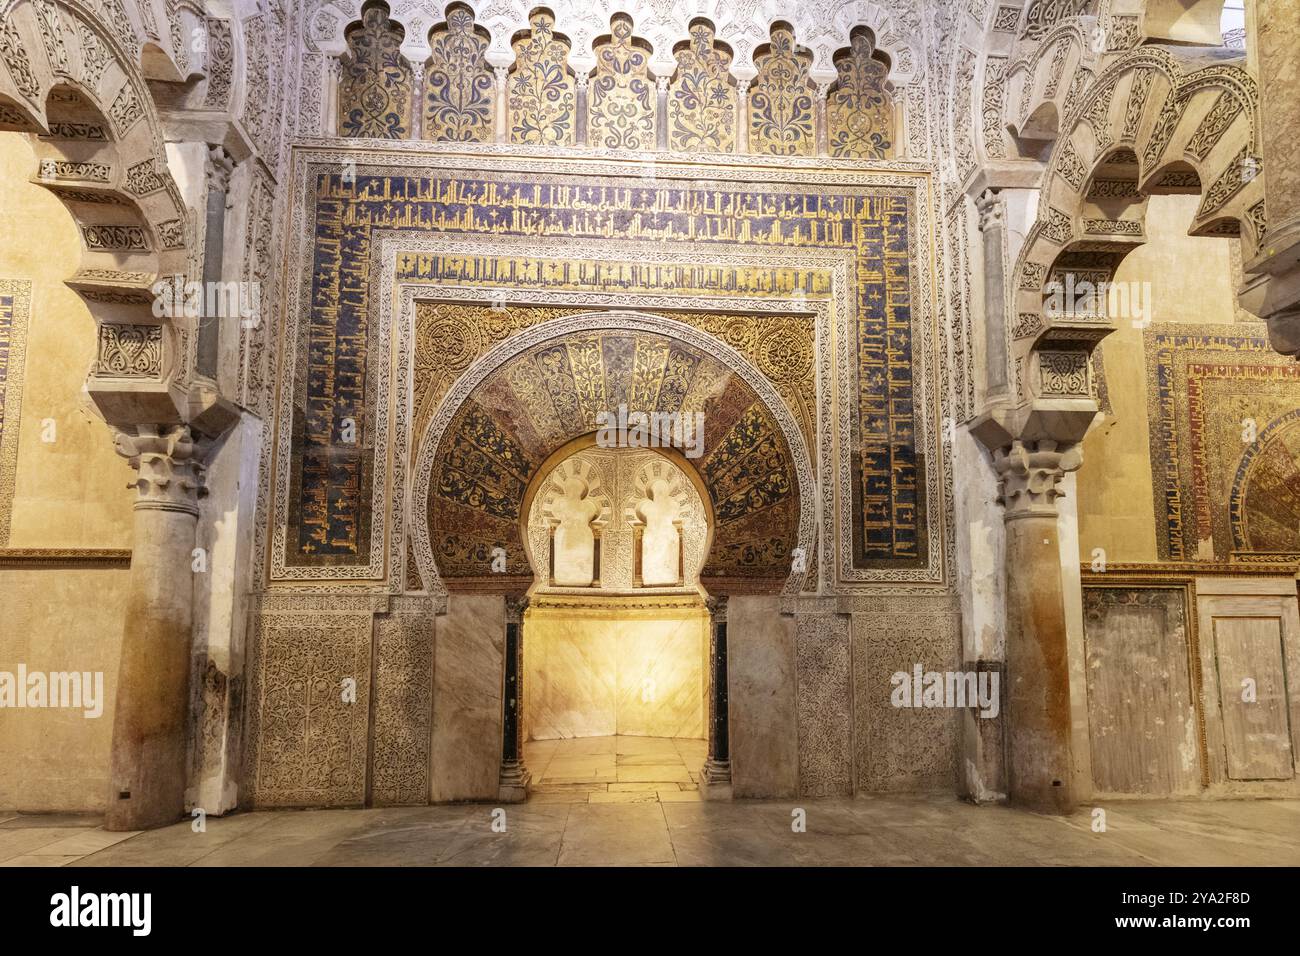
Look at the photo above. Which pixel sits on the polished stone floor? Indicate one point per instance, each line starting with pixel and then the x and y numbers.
pixel 876 830
pixel 615 769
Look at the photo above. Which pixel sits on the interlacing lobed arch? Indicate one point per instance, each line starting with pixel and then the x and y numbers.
pixel 1149 125
pixel 76 78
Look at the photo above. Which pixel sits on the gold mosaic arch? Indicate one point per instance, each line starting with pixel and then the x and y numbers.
pixel 512 409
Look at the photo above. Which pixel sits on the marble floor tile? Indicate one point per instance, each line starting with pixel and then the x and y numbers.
pixel 585 745
pixel 24 841
pixel 646 823
pixel 84 842
pixel 679 796
pixel 606 776
pixel 634 833
pixel 561 796
pixel 624 796
pixel 646 745
pixel 46 821
pixel 289 842
pixel 650 760
pixel 39 859
pixel 179 845
pixel 660 774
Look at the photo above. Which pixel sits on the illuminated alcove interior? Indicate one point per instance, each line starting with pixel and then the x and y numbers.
pixel 616 633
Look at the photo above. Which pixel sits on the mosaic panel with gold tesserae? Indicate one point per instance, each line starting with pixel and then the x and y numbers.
pixel 872 222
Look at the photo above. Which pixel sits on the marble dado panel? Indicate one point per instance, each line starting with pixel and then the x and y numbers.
pixel 468 680
pixel 334 518
pixel 602 670
pixel 809 694
pixel 340 701
pixel 811 714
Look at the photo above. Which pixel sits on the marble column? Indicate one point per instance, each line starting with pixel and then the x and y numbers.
pixel 742 116
pixel 333 76
pixel 1272 290
pixel 992 221
pixel 821 133
pixel 715 776
pixel 147 768
pixel 514 775
pixel 582 124
pixel 1036 696
pixel 502 130
pixel 661 112
pixel 417 99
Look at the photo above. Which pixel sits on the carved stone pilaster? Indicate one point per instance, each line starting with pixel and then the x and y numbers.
pixel 169 464
pixel 417 98
pixel 992 224
pixel 1029 473
pixel 661 112
pixel 217 171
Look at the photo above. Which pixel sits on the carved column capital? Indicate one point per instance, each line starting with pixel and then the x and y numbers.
pixel 516 604
pixel 1028 475
pixel 742 87
pixel 170 467
pixel 991 208
pixel 501 73
pixel 717 605
pixel 582 79
pixel 218 168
